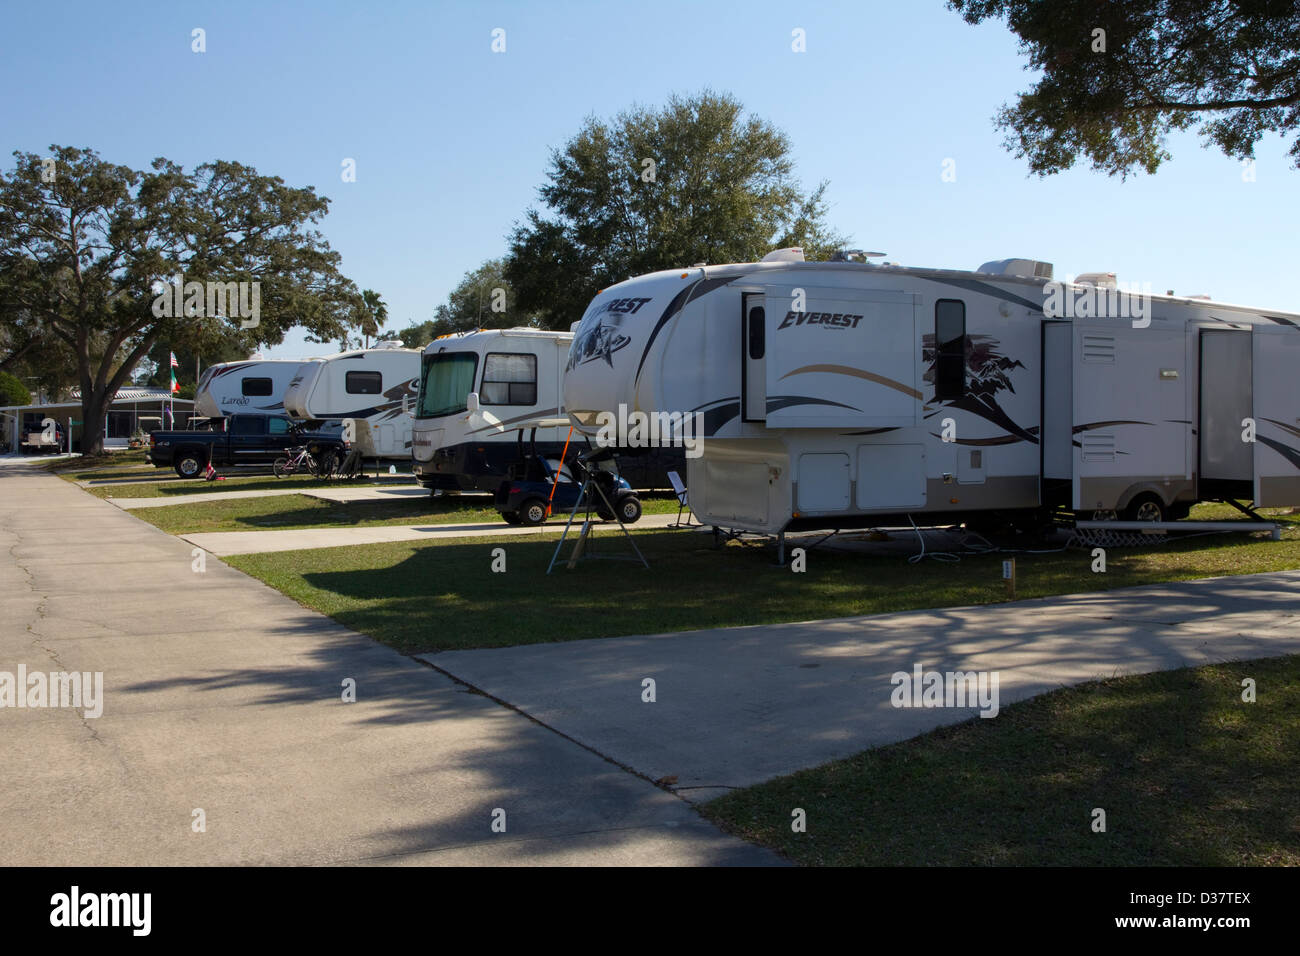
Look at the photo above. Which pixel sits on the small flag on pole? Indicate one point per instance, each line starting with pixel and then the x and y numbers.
pixel 175 364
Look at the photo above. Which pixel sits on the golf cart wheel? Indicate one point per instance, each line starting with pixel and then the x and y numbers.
pixel 511 517
pixel 629 509
pixel 1147 507
pixel 532 513
pixel 189 464
pixel 280 467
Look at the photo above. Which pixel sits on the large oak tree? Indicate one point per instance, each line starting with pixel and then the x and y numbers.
pixel 695 181
pixel 1118 77
pixel 86 245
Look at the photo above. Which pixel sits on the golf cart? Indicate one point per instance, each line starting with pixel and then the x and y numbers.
pixel 535 486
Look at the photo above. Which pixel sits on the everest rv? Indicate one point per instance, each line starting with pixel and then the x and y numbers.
pixel 846 394
pixel 255 387
pixel 477 389
pixel 374 387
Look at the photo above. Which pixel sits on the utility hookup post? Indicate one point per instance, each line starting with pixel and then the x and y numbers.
pixel 1009 575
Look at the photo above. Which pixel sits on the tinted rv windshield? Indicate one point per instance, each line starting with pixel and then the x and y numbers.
pixel 446 379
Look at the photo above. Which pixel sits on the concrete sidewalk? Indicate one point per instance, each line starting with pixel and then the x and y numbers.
pixel 259 542
pixel 222 695
pixel 741 705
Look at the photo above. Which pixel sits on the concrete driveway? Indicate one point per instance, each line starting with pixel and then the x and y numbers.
pixel 738 706
pixel 223 696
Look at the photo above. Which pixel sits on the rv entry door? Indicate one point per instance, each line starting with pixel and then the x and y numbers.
pixel 753 365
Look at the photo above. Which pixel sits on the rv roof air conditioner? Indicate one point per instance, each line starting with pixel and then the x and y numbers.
pixel 1025 268
pixel 1099 280
pixel 793 254
pixel 853 255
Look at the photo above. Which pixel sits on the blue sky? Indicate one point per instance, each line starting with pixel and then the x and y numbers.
pixel 451 140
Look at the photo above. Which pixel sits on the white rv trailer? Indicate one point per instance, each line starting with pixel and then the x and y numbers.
pixel 374 387
pixel 478 388
pixel 255 387
pixel 843 394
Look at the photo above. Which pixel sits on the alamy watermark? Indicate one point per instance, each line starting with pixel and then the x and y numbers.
pixel 83 689
pixel 640 429
pixel 922 688
pixel 1086 300
pixel 212 300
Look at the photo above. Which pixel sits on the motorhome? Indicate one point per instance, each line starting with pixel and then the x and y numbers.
pixel 478 388
pixel 254 387
pixel 848 394
pixel 375 388
pixel 475 389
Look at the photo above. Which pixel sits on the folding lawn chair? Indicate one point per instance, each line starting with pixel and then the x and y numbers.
pixel 679 490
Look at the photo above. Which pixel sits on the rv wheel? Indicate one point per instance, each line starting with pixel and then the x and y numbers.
pixel 532 512
pixel 1145 508
pixel 189 464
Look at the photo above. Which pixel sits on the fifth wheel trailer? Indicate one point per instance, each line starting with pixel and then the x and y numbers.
pixel 845 394
pixel 477 388
pixel 376 388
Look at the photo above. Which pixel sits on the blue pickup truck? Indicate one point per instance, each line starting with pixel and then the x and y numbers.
pixel 239 440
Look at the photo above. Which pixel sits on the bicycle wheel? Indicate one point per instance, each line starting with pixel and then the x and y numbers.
pixel 326 466
pixel 280 467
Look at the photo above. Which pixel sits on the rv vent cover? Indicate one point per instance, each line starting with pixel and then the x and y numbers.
pixel 1099 348
pixel 1026 268
pixel 1098 447
pixel 793 254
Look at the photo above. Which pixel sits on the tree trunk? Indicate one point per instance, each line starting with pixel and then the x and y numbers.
pixel 94 403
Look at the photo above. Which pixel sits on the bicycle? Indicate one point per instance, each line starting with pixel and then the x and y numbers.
pixel 299 459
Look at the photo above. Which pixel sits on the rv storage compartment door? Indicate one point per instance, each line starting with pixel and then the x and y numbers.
pixel 823 482
pixel 891 476
pixel 1277 416
pixel 1130 410
pixel 847 359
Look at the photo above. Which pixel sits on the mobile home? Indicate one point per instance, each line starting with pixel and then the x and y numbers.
pixel 375 387
pixel 477 388
pixel 255 387
pixel 847 394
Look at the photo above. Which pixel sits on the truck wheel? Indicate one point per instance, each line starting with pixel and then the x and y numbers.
pixel 189 464
pixel 511 517
pixel 532 513
pixel 629 509
pixel 1145 507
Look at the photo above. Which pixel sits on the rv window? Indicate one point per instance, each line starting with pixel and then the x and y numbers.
pixel 757 333
pixel 256 386
pixel 949 349
pixel 509 379
pixel 445 381
pixel 364 383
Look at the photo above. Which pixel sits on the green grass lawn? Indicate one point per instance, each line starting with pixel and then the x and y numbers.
pixel 425 597
pixel 119 464
pixel 1187 773
pixel 199 487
